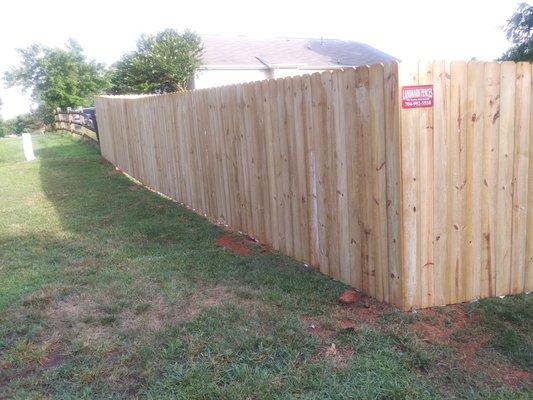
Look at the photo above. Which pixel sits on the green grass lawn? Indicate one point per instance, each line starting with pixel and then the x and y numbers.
pixel 110 291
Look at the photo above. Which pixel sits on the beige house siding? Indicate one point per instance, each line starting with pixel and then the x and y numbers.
pixel 207 78
pixel 219 77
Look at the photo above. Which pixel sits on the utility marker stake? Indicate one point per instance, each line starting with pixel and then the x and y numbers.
pixel 28 148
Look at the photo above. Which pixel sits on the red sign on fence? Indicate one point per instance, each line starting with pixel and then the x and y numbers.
pixel 417 96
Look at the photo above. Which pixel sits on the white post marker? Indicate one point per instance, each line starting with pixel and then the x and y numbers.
pixel 28 148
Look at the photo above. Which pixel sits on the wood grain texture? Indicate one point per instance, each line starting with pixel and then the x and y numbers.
pixel 505 178
pixel 520 174
pixel 528 276
pixel 491 130
pixel 410 224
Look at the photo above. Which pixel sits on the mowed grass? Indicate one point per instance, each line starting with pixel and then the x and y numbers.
pixel 109 291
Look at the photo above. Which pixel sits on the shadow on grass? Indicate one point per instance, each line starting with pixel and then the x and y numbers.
pixel 112 221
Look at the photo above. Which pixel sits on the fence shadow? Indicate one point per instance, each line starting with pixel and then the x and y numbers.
pixel 109 219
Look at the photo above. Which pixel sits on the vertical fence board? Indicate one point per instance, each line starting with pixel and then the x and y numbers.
pixel 230 139
pixel 520 178
pixel 410 194
pixel 277 164
pixel 319 138
pixel 457 188
pixel 282 169
pixel 263 182
pixel 378 177
pixel 252 129
pixel 244 167
pixel 353 166
pixel 392 164
pixel 330 172
pixel 365 175
pixel 425 214
pixel 505 178
pixel 292 190
pixel 474 154
pixel 310 154
pixel 266 87
pixel 441 109
pixel 528 284
pixel 301 196
pixel 342 176
pixel 491 129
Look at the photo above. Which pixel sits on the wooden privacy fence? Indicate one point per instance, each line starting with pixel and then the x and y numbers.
pixel 416 207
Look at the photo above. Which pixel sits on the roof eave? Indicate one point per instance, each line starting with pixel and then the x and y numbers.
pixel 274 66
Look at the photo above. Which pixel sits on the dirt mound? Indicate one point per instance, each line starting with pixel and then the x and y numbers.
pixel 349 297
pixel 439 326
pixel 234 243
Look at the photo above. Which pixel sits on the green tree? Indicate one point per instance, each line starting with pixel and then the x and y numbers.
pixel 58 77
pixel 518 31
pixel 7 126
pixel 26 123
pixel 20 124
pixel 162 63
pixel 2 133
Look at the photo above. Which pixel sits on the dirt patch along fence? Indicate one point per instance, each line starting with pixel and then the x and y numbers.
pixel 414 206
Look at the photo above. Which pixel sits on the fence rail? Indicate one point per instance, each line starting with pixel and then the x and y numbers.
pixel 415 207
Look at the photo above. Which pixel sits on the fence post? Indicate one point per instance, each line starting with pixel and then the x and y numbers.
pixel 95 124
pixel 69 118
pixel 55 118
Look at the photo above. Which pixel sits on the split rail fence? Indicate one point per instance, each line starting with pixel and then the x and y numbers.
pixel 79 121
pixel 415 206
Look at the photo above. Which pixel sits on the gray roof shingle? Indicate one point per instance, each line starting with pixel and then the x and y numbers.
pixel 246 51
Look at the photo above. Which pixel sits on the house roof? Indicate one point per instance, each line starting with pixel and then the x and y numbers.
pixel 221 51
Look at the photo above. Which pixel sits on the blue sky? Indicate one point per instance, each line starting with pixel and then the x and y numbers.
pixel 409 30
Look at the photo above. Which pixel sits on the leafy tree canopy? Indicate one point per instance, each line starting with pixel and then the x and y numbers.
pixel 58 77
pixel 3 128
pixel 162 63
pixel 519 31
